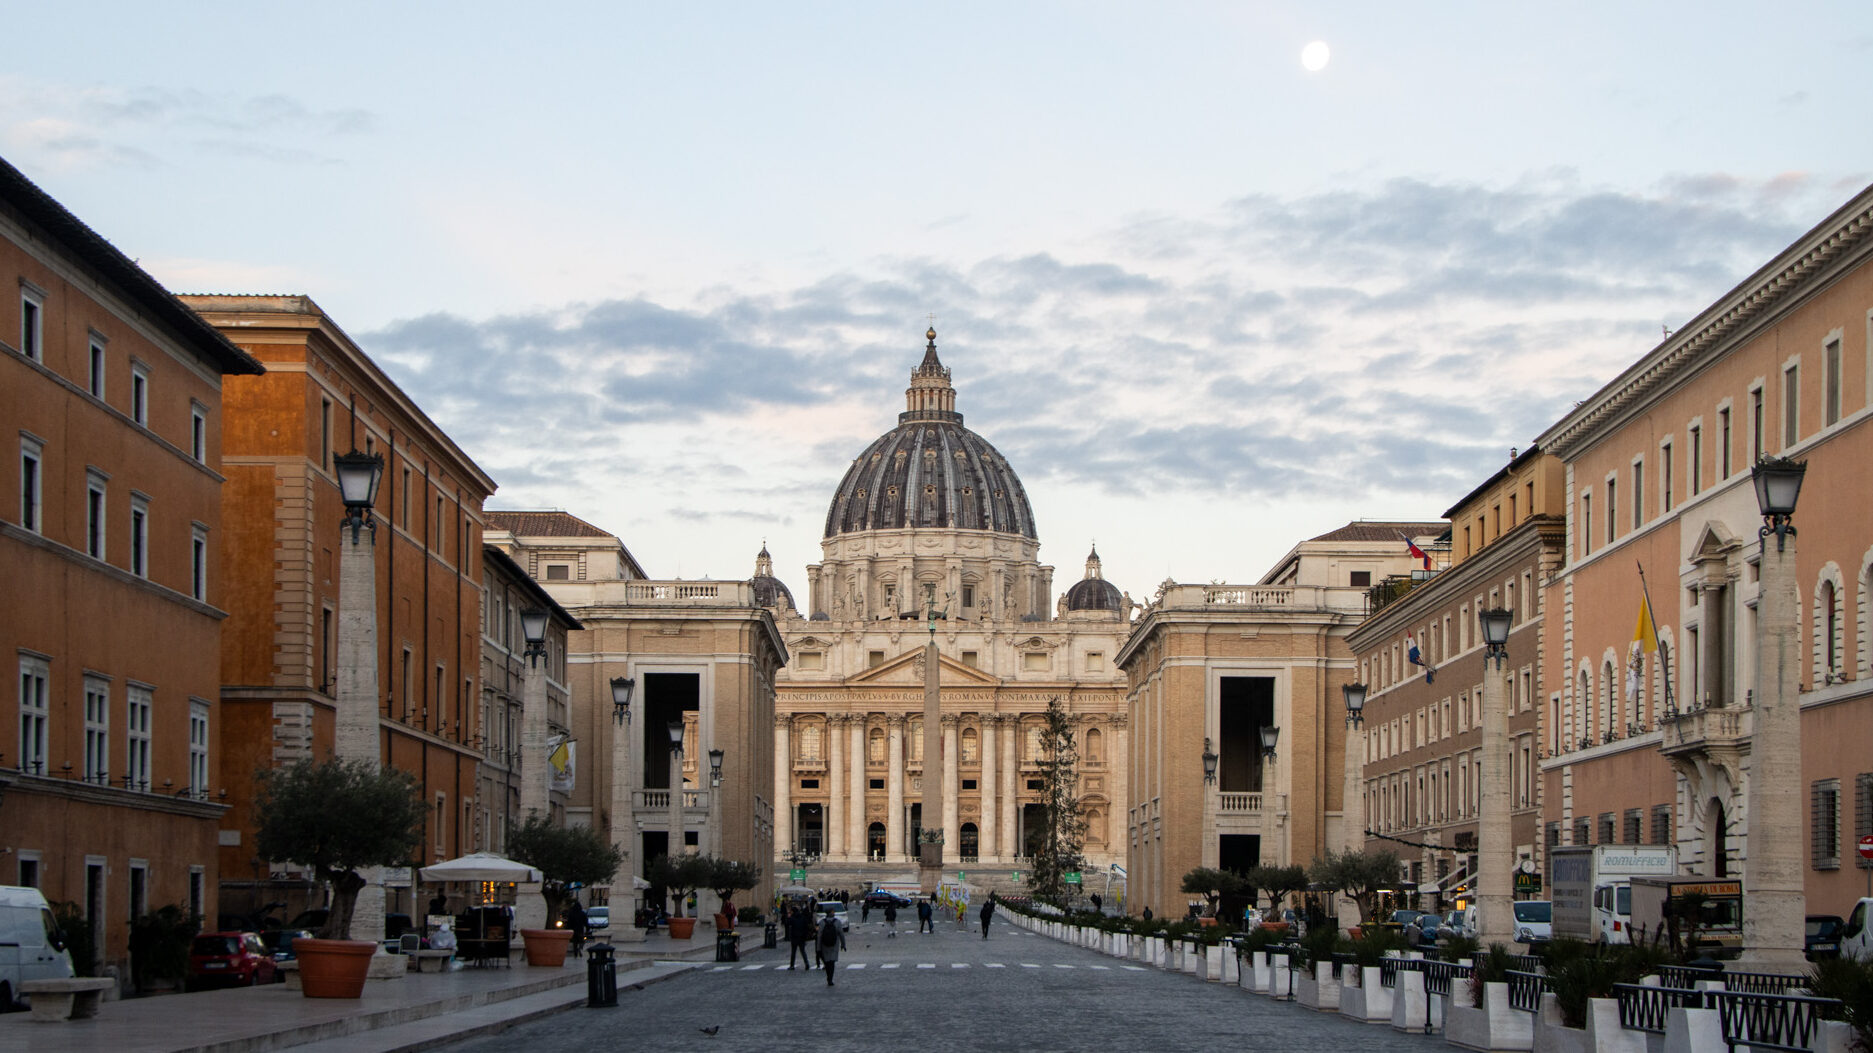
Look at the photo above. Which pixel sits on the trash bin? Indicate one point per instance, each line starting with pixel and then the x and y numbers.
pixel 601 977
pixel 770 936
pixel 728 946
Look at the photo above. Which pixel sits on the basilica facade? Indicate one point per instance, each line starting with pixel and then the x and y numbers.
pixel 930 535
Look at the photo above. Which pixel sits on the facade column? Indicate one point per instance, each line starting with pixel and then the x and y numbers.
pixel 985 832
pixel 894 788
pixel 1010 801
pixel 835 793
pixel 855 840
pixel 952 828
pixel 783 784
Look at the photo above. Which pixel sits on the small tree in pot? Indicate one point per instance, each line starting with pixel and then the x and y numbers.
pixel 680 877
pixel 565 856
pixel 338 817
pixel 729 876
pixel 1278 883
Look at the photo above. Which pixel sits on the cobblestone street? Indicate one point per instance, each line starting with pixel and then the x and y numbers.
pixel 947 991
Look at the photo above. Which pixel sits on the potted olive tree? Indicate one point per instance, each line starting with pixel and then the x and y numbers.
pixel 679 877
pixel 727 877
pixel 338 818
pixel 565 856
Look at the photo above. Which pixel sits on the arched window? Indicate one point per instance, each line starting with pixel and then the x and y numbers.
pixel 1830 629
pixel 971 754
pixel 1095 746
pixel 1034 752
pixel 1577 728
pixel 874 750
pixel 1611 677
pixel 809 742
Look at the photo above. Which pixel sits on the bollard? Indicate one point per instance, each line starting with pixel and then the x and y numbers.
pixel 601 977
pixel 728 946
pixel 770 936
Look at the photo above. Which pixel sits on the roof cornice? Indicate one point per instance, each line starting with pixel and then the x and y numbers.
pixel 1830 248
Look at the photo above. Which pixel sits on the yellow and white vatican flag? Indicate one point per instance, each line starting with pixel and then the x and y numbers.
pixel 1645 635
pixel 559 759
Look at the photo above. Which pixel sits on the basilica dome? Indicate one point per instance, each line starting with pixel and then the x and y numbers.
pixel 1094 592
pixel 769 591
pixel 930 471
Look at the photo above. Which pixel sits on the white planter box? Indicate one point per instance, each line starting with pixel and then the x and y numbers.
pixel 1368 1002
pixel 1255 972
pixel 1279 980
pixel 1491 1026
pixel 1213 963
pixel 1320 990
pixel 1409 1004
pixel 1232 966
pixel 1190 957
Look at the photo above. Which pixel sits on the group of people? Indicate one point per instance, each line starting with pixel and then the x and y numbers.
pixel 827 937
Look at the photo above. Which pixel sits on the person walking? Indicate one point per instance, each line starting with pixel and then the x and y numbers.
pixel 799 930
pixel 890 919
pixel 831 942
pixel 926 917
pixel 864 909
pixel 580 926
pixel 988 914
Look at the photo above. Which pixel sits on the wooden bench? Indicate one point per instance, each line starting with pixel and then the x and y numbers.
pixel 418 957
pixel 73 998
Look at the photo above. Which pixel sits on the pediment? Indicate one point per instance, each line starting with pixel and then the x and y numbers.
pixel 906 670
pixel 1714 542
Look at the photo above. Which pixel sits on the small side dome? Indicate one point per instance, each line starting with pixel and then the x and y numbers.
pixel 1094 592
pixel 769 591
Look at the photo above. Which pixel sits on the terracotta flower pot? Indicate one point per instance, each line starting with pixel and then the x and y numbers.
pixel 546 947
pixel 682 928
pixel 724 923
pixel 1275 926
pixel 333 968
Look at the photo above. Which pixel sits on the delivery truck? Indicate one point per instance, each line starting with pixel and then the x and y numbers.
pixel 1694 915
pixel 1592 887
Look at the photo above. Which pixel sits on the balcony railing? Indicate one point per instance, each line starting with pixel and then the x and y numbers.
pixel 654 799
pixel 1704 730
pixel 1239 802
pixel 1264 597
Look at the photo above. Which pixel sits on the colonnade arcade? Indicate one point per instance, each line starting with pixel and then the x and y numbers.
pixel 853 782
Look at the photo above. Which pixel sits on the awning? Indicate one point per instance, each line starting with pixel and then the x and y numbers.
pixel 1449 883
pixel 481 866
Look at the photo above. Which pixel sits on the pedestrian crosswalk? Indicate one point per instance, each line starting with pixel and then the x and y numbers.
pixel 758 967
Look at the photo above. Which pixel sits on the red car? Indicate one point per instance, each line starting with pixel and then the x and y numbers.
pixel 230 959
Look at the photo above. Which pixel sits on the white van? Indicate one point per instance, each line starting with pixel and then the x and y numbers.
pixel 1856 937
pixel 30 945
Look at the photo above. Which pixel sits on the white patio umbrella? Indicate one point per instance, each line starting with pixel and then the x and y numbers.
pixel 480 866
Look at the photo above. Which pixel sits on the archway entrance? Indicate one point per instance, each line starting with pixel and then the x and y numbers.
pixel 968 847
pixel 812 829
pixel 874 842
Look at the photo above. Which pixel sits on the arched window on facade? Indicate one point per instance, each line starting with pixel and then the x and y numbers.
pixel 970 747
pixel 1830 631
pixel 1611 678
pixel 809 742
pixel 1095 747
pixel 874 747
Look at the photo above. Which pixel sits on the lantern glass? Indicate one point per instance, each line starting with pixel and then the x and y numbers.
pixel 1778 484
pixel 1355 698
pixel 1209 762
pixel 715 764
pixel 358 476
pixel 676 735
pixel 1495 625
pixel 1270 733
pixel 621 688
pixel 533 625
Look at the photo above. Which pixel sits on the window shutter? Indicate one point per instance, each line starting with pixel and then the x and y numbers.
pixel 1862 814
pixel 1824 824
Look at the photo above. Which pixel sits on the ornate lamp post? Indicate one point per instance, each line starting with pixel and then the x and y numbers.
pixel 1270 734
pixel 621 688
pixel 1352 803
pixel 623 815
pixel 715 792
pixel 355 688
pixel 1772 873
pixel 1209 763
pixel 1495 885
pixel 534 773
pixel 676 788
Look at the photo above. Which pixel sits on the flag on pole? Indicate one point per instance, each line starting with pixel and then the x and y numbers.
pixel 1415 657
pixel 1644 634
pixel 1416 552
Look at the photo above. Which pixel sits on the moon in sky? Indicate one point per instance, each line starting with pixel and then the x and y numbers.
pixel 1314 56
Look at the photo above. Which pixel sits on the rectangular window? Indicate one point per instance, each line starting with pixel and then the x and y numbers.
pixel 873 659
pixel 32 456
pixel 1634 821
pixel 140 393
pixel 1723 437
pixel 1583 830
pixel 970 659
pixel 1638 494
pixel 1665 480
pixel 32 322
pixel 140 536
pixel 198 563
pixel 198 433
pixel 98 359
pixel 1862 814
pixel 878 784
pixel 1586 538
pixel 1612 510
pixel 1830 396
pixel 438 544
pixel 325 649
pixel 1696 463
pixel 198 747
pixel 97 730
pixel 1824 824
pixel 137 739
pixel 1791 407
pixel 29 869
pixel 812 659
pixel 1661 824
pixel 1034 661
pixel 1756 445
pixel 325 434
pixel 35 677
pixel 969 596
pixel 95 510
pixel 558 572
pixel 1361 579
pixel 1606 828
pixel 1095 662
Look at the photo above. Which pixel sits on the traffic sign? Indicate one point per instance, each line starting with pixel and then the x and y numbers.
pixel 962 875
pixel 1073 877
pixel 1866 847
pixel 797 875
pixel 1015 876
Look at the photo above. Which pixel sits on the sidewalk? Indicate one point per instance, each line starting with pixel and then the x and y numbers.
pixel 393 1016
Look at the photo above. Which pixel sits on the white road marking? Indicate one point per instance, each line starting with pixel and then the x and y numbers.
pixel 995 965
pixel 1025 965
pixel 752 968
pixel 855 965
pixel 721 968
pixel 1105 967
pixel 959 965
pixel 1133 968
pixel 889 965
pixel 1060 965
pixel 926 965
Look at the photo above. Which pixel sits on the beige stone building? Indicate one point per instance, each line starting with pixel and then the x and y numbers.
pixel 1210 666
pixel 702 653
pixel 931 516
pixel 514 771
pixel 1418 755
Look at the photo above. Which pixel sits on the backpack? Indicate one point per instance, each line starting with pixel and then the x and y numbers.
pixel 829 933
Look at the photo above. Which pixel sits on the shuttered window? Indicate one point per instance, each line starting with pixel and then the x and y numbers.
pixel 1661 824
pixel 1824 824
pixel 1862 814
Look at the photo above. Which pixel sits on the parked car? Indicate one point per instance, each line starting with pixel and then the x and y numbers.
pixel 597 919
pixel 838 912
pixel 229 959
pixel 1423 930
pixel 881 898
pixel 1823 936
pixel 395 925
pixel 280 942
pixel 34 949
pixel 1456 923
pixel 1534 920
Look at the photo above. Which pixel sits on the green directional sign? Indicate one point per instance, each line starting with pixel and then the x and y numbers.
pixel 1073 877
pixel 1015 876
pixel 962 875
pixel 797 875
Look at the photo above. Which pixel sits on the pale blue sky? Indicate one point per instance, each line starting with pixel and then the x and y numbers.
pixel 668 268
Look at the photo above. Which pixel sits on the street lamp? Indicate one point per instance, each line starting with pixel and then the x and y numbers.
pixel 676 788
pixel 1269 734
pixel 533 627
pixel 1778 484
pixel 1772 872
pixel 715 768
pixel 1355 695
pixel 621 688
pixel 358 476
pixel 715 793
pixel 1209 763
pixel 1494 842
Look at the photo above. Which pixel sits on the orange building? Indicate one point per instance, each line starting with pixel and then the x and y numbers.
pixel 1654 744
pixel 110 534
pixel 322 396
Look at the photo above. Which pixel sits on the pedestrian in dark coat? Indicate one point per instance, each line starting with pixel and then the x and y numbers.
pixel 926 917
pixel 580 926
pixel 831 942
pixel 988 914
pixel 890 918
pixel 799 931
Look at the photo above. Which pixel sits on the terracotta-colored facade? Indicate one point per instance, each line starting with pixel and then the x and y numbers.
pixel 1658 476
pixel 322 395
pixel 110 534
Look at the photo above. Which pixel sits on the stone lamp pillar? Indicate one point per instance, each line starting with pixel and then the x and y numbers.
pixel 1495 884
pixel 535 772
pixel 355 724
